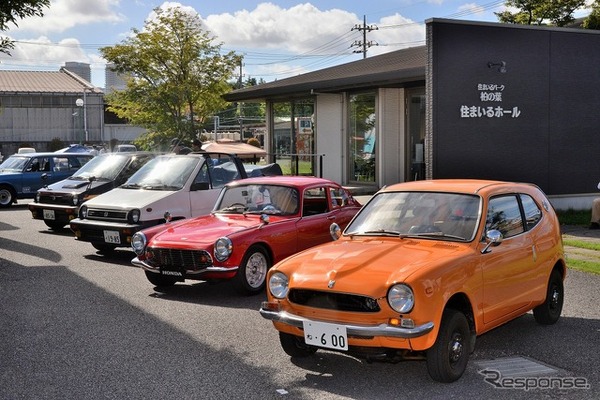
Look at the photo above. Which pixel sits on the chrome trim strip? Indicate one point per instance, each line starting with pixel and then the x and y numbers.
pixel 138 263
pixel 355 330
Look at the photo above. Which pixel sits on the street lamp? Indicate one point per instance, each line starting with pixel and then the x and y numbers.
pixel 83 103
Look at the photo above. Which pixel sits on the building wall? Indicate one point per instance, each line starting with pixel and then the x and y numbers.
pixel 329 135
pixel 515 103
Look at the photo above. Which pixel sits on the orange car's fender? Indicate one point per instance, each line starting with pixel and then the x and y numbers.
pixel 434 290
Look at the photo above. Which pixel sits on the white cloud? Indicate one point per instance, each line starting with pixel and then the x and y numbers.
pixel 66 14
pixel 297 29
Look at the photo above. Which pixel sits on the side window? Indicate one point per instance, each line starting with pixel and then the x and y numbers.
pixel 532 212
pixel 202 176
pixel 504 215
pixel 314 202
pixel 37 164
pixel 338 197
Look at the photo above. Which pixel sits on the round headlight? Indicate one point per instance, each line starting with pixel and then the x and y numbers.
pixel 138 242
pixel 278 285
pixel 223 248
pixel 134 216
pixel 83 212
pixel 401 298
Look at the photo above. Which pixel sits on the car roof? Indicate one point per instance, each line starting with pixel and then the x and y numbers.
pixel 297 181
pixel 470 186
pixel 52 154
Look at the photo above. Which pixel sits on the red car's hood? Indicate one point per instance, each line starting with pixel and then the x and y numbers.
pixel 203 231
pixel 367 265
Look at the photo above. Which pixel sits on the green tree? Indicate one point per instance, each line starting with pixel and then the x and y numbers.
pixel 177 77
pixel 13 10
pixel 540 12
pixel 593 20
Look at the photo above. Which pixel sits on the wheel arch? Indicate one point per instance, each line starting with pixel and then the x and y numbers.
pixel 461 302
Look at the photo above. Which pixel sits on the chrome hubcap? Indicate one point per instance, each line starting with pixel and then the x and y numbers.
pixel 456 347
pixel 256 270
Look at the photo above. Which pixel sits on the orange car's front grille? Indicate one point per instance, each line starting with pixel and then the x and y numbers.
pixel 333 301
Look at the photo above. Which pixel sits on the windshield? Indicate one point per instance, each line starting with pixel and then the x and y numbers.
pixel 163 173
pixel 449 216
pixel 259 199
pixel 14 163
pixel 102 167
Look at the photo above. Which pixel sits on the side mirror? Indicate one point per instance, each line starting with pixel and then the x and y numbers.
pixel 335 231
pixel 493 238
pixel 199 186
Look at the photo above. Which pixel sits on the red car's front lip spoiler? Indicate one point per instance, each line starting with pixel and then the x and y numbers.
pixel 147 267
pixel 355 330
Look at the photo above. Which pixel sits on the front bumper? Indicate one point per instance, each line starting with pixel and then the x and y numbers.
pixel 61 212
pixel 98 231
pixel 381 330
pixel 188 273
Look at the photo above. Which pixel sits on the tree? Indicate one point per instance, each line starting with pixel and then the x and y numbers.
pixel 177 76
pixel 540 12
pixel 11 11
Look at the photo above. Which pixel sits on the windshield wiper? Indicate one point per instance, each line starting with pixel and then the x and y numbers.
pixel 131 186
pixel 431 234
pixel 234 208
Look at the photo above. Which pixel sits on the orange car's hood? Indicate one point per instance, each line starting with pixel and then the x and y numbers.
pixel 205 230
pixel 367 265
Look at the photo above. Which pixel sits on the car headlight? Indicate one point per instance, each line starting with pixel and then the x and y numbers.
pixel 223 248
pixel 134 216
pixel 278 285
pixel 401 298
pixel 75 199
pixel 138 242
pixel 83 211
pixel 38 195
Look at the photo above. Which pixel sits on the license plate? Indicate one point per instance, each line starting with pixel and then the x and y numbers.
pixel 49 214
pixel 112 237
pixel 322 334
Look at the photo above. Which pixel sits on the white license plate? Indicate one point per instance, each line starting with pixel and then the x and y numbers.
pixel 112 237
pixel 327 335
pixel 49 214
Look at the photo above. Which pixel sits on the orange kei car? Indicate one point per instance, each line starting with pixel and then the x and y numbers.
pixel 421 270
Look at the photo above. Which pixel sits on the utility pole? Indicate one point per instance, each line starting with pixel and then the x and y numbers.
pixel 364 44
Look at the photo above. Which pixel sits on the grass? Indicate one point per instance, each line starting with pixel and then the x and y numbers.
pixel 575 217
pixel 584 266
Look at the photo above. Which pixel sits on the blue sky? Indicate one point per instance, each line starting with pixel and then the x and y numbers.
pixel 278 39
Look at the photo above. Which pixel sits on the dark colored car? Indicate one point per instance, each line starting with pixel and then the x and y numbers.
pixel 58 204
pixel 21 175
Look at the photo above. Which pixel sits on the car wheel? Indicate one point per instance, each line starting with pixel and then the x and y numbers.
pixel 6 196
pixel 160 280
pixel 447 359
pixel 55 226
pixel 104 248
pixel 549 311
pixel 295 346
pixel 252 274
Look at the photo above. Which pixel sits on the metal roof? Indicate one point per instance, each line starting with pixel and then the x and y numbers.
pixel 394 69
pixel 62 82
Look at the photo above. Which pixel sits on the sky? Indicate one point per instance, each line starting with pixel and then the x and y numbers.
pixel 277 39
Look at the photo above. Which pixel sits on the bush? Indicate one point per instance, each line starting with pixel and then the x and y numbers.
pixel 56 144
pixel 254 142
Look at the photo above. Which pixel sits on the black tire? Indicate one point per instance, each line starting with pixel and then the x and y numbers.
pixel 295 346
pixel 549 312
pixel 252 273
pixel 447 358
pixel 104 248
pixel 7 196
pixel 160 280
pixel 55 226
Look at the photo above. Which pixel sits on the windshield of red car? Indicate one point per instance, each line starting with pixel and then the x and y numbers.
pixel 256 198
pixel 447 216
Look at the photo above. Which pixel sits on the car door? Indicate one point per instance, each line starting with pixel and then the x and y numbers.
pixel 317 216
pixel 507 269
pixel 203 194
pixel 32 174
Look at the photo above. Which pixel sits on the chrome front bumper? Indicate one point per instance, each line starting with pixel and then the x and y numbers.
pixel 139 263
pixel 354 330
